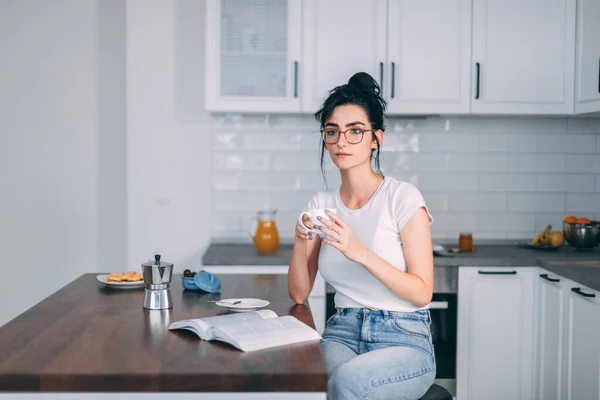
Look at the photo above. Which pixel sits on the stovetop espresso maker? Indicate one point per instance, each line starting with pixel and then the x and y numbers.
pixel 157 277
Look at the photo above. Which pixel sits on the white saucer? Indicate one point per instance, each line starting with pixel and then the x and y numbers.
pixel 247 304
pixel 120 285
pixel 441 251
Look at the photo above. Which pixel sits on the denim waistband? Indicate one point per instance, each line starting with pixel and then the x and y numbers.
pixel 422 314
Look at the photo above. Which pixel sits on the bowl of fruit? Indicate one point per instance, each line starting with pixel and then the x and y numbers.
pixel 581 233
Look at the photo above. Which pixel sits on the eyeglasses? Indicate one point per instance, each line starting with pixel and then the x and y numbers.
pixel 352 135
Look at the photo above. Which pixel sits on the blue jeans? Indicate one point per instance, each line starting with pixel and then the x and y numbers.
pixel 378 354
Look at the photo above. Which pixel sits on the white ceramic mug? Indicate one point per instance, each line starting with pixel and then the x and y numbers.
pixel 313 213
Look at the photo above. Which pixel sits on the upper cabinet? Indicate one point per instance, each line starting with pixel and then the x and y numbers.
pixel 429 52
pixel 429 56
pixel 252 55
pixel 523 52
pixel 417 51
pixel 587 80
pixel 340 38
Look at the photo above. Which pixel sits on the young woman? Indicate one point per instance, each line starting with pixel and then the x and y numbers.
pixel 378 256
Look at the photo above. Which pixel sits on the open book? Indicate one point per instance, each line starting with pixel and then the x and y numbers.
pixel 250 331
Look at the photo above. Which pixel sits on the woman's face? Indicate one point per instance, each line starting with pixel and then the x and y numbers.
pixel 350 150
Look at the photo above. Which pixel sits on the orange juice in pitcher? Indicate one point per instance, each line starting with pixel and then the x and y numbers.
pixel 266 236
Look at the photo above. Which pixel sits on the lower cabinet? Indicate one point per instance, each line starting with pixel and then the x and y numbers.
pixel 316 300
pixel 567 339
pixel 526 333
pixel 550 336
pixel 495 333
pixel 583 345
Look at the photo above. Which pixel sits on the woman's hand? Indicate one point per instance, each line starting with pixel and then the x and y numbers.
pixel 342 238
pixel 301 232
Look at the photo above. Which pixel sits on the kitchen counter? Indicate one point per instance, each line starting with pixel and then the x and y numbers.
pixel 581 271
pixel 580 266
pixel 88 337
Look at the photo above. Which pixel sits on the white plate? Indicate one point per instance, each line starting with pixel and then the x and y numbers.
pixel 247 304
pixel 120 285
pixel 440 250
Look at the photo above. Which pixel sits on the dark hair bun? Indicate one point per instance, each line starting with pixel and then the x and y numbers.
pixel 361 90
pixel 364 81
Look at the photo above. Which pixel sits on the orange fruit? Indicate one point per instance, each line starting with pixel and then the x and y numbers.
pixel 583 221
pixel 570 219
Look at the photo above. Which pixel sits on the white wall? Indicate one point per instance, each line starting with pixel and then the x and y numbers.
pixel 168 141
pixel 48 155
pixel 498 177
pixel 112 138
pixel 79 192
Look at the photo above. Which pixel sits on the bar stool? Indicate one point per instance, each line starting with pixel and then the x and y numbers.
pixel 436 392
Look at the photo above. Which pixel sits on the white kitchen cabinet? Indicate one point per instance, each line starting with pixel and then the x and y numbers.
pixel 495 333
pixel 583 367
pixel 253 55
pixel 340 38
pixel 550 335
pixel 316 299
pixel 284 60
pixel 587 75
pixel 418 52
pixel 429 52
pixel 523 56
pixel 430 57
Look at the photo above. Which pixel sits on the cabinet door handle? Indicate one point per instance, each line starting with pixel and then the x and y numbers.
pixel 599 75
pixel 381 76
pixel 295 78
pixel 584 294
pixel 498 272
pixel 546 277
pixel 393 79
pixel 478 71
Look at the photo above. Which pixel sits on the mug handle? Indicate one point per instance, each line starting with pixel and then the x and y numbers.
pixel 302 222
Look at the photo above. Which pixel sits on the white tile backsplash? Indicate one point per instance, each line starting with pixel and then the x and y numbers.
pixel 444 142
pixel 475 202
pixel 508 143
pixel 477 162
pixel 582 163
pixel 498 177
pixel 578 202
pixel 506 183
pixel 443 182
pixel 535 202
pixel 571 183
pixel 567 143
pixel 536 162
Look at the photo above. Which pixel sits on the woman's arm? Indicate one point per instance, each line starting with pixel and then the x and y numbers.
pixel 415 285
pixel 303 264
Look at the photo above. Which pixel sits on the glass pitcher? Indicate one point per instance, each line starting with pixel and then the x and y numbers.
pixel 266 236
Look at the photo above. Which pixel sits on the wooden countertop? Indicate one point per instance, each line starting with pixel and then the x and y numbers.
pixel 89 337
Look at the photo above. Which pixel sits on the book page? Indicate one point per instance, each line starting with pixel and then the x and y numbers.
pixel 203 326
pixel 199 327
pixel 238 318
pixel 262 334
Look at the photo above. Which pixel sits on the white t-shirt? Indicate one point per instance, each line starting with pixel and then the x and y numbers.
pixel 377 226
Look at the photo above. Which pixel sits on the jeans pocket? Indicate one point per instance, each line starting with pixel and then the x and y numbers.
pixel 331 319
pixel 411 327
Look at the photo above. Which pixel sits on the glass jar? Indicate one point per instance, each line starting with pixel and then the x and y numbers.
pixel 465 242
